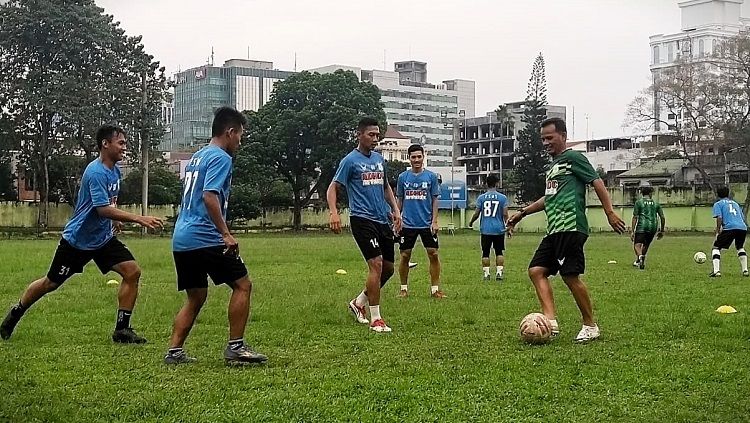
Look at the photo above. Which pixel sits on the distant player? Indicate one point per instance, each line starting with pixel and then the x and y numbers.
pixel 564 202
pixel 417 192
pixel 89 235
pixel 492 208
pixel 203 246
pixel 730 227
pixel 362 172
pixel 643 225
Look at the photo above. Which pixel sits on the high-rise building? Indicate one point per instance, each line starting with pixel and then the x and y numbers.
pixel 198 92
pixel 417 108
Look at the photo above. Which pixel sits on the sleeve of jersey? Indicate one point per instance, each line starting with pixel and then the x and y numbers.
pixel 717 210
pixel 435 186
pixel 637 208
pixel 98 189
pixel 217 172
pixel 400 186
pixel 480 200
pixel 583 170
pixel 342 173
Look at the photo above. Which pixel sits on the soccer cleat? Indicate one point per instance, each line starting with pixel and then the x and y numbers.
pixel 412 265
pixel 9 323
pixel 438 294
pixel 358 312
pixel 486 278
pixel 403 293
pixel 379 326
pixel 178 358
pixel 635 263
pixel 498 276
pixel 242 356
pixel 588 333
pixel 714 275
pixel 745 273
pixel 642 263
pixel 555 330
pixel 127 336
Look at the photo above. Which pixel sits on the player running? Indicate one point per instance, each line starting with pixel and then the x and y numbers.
pixel 643 225
pixel 730 227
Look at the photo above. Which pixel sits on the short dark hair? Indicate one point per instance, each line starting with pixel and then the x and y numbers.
pixel 366 122
pixel 413 148
pixel 107 132
pixel 722 192
pixel 492 180
pixel 560 126
pixel 225 118
pixel 647 190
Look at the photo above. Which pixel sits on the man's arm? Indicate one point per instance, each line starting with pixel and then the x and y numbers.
pixel 532 208
pixel 719 223
pixel 117 215
pixel 395 210
pixel 614 220
pixel 334 220
pixel 435 209
pixel 634 222
pixel 508 229
pixel 213 207
pixel 474 218
pixel 660 234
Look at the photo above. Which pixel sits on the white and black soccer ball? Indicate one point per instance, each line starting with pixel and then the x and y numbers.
pixel 699 257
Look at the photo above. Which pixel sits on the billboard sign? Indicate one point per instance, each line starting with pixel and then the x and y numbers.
pixel 452 186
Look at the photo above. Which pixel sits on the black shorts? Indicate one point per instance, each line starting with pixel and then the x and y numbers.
pixel 561 252
pixel 488 241
pixel 408 238
pixel 373 238
pixel 725 238
pixel 69 260
pixel 645 238
pixel 195 266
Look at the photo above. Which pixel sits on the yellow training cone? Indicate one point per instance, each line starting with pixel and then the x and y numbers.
pixel 341 272
pixel 725 309
pixel 112 282
pixel 612 262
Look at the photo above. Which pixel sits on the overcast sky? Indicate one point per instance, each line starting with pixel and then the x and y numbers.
pixel 596 51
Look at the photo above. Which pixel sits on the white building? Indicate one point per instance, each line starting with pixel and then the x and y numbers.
pixel 394 146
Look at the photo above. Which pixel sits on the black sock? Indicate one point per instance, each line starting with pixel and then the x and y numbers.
pixel 18 310
pixel 123 319
pixel 235 344
pixel 173 351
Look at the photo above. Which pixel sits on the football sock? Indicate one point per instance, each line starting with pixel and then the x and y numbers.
pixel 375 313
pixel 642 258
pixel 404 287
pixel 486 270
pixel 499 270
pixel 434 289
pixel 555 326
pixel 123 319
pixel 743 258
pixel 174 351
pixel 236 344
pixel 361 299
pixel 18 310
pixel 716 256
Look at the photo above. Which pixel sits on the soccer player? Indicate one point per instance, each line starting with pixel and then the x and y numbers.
pixel 730 226
pixel 89 235
pixel 362 172
pixel 417 193
pixel 564 202
pixel 644 225
pixel 203 246
pixel 492 207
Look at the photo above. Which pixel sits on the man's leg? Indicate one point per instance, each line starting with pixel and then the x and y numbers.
pixel 486 243
pixel 35 291
pixel 500 265
pixel 638 249
pixel 538 276
pixel 403 272
pixel 581 295
pixel 435 267
pixel 372 283
pixel 126 296
pixel 237 352
pixel 185 318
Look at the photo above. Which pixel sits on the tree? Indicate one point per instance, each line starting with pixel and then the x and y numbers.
pixel 308 126
pixel 506 119
pixel 164 186
pixel 66 68
pixel 531 158
pixel 7 190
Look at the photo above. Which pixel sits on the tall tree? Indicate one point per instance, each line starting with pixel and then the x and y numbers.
pixel 308 126
pixel 531 159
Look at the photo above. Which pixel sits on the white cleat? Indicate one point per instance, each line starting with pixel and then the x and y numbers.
pixel 412 265
pixel 379 326
pixel 358 312
pixel 588 333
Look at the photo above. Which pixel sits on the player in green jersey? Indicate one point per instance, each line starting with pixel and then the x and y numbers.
pixel 564 202
pixel 643 225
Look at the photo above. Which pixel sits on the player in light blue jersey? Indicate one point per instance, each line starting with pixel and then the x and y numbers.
pixel 89 235
pixel 362 173
pixel 730 227
pixel 417 192
pixel 202 245
pixel 492 207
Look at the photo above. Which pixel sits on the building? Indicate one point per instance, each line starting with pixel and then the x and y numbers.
pixel 705 24
pixel 394 145
pixel 418 109
pixel 486 145
pixel 242 84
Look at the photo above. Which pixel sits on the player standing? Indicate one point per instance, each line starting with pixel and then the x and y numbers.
pixel 564 202
pixel 362 172
pixel 89 235
pixel 417 192
pixel 730 226
pixel 643 225
pixel 203 246
pixel 492 208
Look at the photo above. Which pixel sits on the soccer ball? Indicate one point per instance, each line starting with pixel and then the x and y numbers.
pixel 700 257
pixel 535 329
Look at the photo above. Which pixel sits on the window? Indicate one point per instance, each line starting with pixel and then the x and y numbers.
pixel 656 54
pixel 701 48
pixel 670 52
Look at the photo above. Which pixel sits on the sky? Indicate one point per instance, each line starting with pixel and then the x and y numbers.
pixel 596 51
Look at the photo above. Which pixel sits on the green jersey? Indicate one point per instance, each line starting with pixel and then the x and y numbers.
pixel 646 211
pixel 565 192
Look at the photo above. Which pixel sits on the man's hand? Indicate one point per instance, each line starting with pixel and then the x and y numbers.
pixel 231 247
pixel 396 218
pixel 660 235
pixel 615 222
pixel 435 228
pixel 517 216
pixel 117 227
pixel 509 230
pixel 151 222
pixel 632 236
pixel 334 221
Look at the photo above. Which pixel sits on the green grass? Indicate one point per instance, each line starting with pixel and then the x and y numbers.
pixel 664 355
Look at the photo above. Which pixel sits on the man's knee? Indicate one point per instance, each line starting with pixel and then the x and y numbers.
pixel 432 254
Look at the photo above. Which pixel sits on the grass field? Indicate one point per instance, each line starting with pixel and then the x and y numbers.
pixel 664 355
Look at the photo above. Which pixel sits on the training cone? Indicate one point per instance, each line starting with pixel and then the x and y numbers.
pixel 726 309
pixel 611 262
pixel 341 272
pixel 112 282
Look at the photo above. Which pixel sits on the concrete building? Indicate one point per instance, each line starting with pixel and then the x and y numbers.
pixel 485 145
pixel 394 146
pixel 242 84
pixel 418 109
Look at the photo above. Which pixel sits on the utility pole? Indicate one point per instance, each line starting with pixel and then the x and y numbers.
pixel 144 149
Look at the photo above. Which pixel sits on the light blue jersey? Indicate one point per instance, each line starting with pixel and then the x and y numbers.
pixel 100 185
pixel 210 169
pixel 364 176
pixel 417 191
pixel 491 205
pixel 730 213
